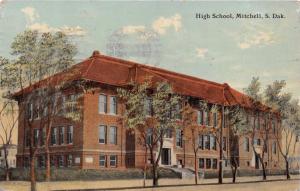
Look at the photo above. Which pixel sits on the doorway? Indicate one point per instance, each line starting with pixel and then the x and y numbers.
pixel 166 156
pixel 257 161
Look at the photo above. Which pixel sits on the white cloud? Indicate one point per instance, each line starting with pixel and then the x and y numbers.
pixel 131 29
pixel 259 38
pixel 201 52
pixel 74 31
pixel 43 27
pixel 162 24
pixel 31 16
pixel 159 26
pixel 30 13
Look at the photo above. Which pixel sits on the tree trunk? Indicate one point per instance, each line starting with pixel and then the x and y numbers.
pixel 144 180
pixel 47 152
pixel 220 179
pixel 196 169
pixel 32 174
pixel 6 164
pixel 48 165
pixel 145 168
pixel 287 169
pixel 155 175
pixel 263 168
pixel 234 174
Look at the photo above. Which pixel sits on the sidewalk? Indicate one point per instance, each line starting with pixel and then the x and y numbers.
pixel 168 184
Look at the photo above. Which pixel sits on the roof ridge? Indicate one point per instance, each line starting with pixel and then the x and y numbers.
pixel 127 62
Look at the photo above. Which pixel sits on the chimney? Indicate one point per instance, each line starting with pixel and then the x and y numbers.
pixel 226 86
pixel 96 53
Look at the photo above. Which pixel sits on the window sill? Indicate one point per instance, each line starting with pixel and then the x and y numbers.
pixel 110 114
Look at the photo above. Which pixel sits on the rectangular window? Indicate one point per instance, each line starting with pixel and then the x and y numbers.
pixel 73 103
pixel 214 163
pixel 213 141
pixel 102 134
pixel 61 161
pixel 149 136
pixel 200 117
pixel 61 135
pixel 69 134
pixel 41 161
pixel 113 160
pixel 224 143
pixel 204 120
pixel 274 147
pixel 168 133
pixel 113 105
pixel 26 162
pixel 113 135
pixel 45 111
pixel 207 142
pixel 102 161
pixel 36 137
pixel 53 136
pixel 178 138
pixel 176 111
pixel 43 136
pixel 265 123
pixel 200 141
pixel 69 160
pixel 52 161
pixel 201 163
pixel 257 122
pixel 30 111
pixel 246 144
pixel 102 103
pixel 257 142
pixel 208 118
pixel 148 106
pixel 27 138
pixel 273 126
pixel 63 105
pixel 208 163
pixel 36 112
pixel 215 119
pixel 226 120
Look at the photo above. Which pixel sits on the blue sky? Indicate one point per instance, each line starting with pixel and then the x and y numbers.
pixel 221 50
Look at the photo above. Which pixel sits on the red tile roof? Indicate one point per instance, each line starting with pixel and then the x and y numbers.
pixel 118 72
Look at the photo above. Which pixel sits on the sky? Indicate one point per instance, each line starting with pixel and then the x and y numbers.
pixel 168 35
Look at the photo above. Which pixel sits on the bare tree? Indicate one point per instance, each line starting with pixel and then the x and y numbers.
pixel 236 121
pixel 8 123
pixel 287 132
pixel 165 106
pixel 37 57
pixel 192 121
pixel 256 98
pixel 289 112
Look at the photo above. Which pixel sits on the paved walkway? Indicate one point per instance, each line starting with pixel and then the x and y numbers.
pixel 276 183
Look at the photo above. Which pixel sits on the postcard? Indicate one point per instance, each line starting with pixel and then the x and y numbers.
pixel 149 95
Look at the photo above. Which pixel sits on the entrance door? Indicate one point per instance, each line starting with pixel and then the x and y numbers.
pixel 166 156
pixel 256 161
